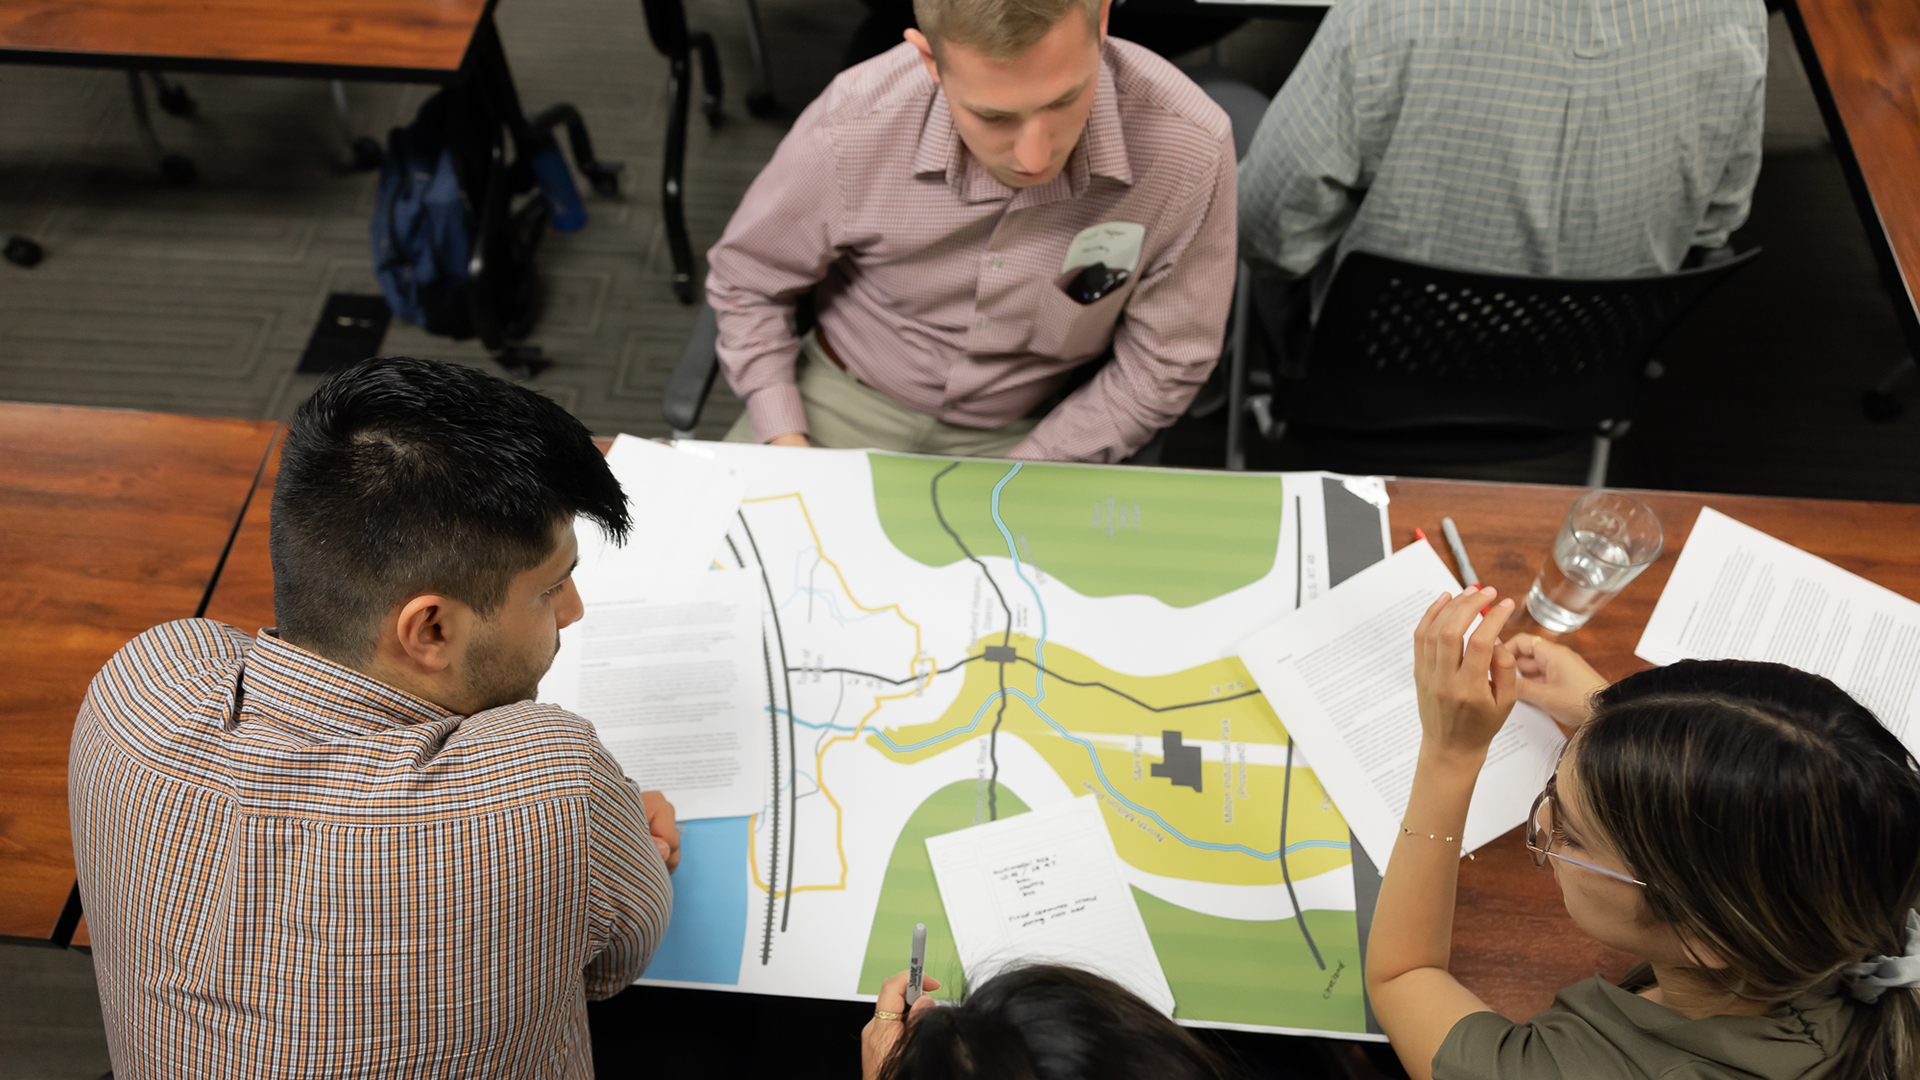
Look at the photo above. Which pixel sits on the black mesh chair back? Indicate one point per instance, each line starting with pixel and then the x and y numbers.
pixel 1405 349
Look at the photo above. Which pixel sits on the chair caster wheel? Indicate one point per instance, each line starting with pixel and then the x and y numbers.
pixel 605 177
pixel 1879 406
pixel 367 154
pixel 760 104
pixel 176 101
pixel 23 252
pixel 522 362
pixel 178 170
pixel 683 288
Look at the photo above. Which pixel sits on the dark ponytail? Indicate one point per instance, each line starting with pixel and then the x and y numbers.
pixel 1777 822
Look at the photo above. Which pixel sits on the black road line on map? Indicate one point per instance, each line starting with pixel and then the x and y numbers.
pixel 773 725
pixel 773 848
pixel 884 679
pixel 1299 546
pixel 1135 700
pixel 1006 638
pixel 1286 796
pixel 786 677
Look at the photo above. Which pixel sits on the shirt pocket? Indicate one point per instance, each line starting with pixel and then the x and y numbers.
pixel 1065 329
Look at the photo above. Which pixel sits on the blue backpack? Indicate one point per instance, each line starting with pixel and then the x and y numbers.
pixel 421 223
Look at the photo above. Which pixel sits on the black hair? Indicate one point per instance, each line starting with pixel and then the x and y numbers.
pixel 403 476
pixel 1049 1022
pixel 1776 821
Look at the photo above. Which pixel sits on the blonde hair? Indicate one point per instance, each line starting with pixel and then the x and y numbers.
pixel 1001 29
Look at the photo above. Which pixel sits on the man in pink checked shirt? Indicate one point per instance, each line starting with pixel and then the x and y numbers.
pixel 1001 199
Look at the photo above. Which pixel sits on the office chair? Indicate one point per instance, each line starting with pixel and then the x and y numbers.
pixel 1416 362
pixel 176 169
pixel 667 27
pixel 364 152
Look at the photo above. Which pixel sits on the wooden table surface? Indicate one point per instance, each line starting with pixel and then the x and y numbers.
pixel 1864 59
pixel 393 38
pixel 1514 943
pixel 110 522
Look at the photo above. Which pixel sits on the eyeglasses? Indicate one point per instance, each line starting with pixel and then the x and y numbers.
pixel 1540 841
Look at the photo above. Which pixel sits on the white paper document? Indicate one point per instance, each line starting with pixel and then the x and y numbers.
pixel 1739 594
pixel 682 504
pixel 1045 887
pixel 1339 673
pixel 667 674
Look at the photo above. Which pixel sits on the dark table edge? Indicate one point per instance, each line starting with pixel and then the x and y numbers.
pixel 220 65
pixel 1892 280
pixel 212 65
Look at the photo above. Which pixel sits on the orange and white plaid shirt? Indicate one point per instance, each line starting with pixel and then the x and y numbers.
pixel 291 869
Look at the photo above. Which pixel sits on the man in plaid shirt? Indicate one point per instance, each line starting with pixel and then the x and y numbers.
pixel 353 845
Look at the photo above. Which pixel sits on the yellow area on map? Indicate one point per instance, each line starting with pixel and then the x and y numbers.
pixel 1227 825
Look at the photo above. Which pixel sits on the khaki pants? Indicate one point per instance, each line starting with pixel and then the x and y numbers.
pixel 844 414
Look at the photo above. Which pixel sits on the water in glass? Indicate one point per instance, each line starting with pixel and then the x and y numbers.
pixel 1586 571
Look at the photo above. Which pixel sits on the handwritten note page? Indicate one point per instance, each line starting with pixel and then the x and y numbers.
pixel 1046 886
pixel 667 676
pixel 1739 594
pixel 1339 672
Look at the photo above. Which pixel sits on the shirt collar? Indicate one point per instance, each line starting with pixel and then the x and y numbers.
pixel 1101 151
pixel 312 694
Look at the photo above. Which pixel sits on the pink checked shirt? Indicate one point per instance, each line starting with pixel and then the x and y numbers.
pixel 940 287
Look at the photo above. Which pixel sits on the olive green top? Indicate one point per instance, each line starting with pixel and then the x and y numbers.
pixel 1598 1030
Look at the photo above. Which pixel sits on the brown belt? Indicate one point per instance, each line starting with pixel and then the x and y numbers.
pixel 820 339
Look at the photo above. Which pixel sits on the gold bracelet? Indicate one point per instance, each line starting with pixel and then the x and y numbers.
pixel 1436 836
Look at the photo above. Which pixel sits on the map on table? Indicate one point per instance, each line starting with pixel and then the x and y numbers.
pixel 952 642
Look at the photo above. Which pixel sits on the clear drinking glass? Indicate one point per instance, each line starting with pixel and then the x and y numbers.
pixel 1607 540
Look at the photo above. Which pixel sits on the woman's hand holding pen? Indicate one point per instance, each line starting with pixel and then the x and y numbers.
pixel 891 1017
pixel 1465 691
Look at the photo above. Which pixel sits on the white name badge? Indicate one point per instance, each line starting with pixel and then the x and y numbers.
pixel 1114 243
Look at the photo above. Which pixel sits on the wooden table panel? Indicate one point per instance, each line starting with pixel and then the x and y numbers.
pixel 1868 54
pixel 415 35
pixel 110 522
pixel 1514 944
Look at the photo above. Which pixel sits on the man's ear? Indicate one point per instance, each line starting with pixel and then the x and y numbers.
pixel 426 629
pixel 920 42
pixel 1106 9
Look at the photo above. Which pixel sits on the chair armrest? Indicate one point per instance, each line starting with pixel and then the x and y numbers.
pixel 692 378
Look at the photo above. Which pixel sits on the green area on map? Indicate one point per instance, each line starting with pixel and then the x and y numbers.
pixel 1221 970
pixel 1183 537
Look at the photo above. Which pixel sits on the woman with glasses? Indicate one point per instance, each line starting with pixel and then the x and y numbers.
pixel 1749 831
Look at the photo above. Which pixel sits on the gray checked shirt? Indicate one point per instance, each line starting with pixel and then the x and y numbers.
pixel 1568 138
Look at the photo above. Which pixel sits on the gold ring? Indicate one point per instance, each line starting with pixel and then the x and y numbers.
pixel 882 1014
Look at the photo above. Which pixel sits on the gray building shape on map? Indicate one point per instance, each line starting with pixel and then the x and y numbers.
pixel 1179 762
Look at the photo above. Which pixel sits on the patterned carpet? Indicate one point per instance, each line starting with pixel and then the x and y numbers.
pixel 200 299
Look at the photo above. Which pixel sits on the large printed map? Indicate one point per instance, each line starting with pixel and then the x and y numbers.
pixel 949 642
